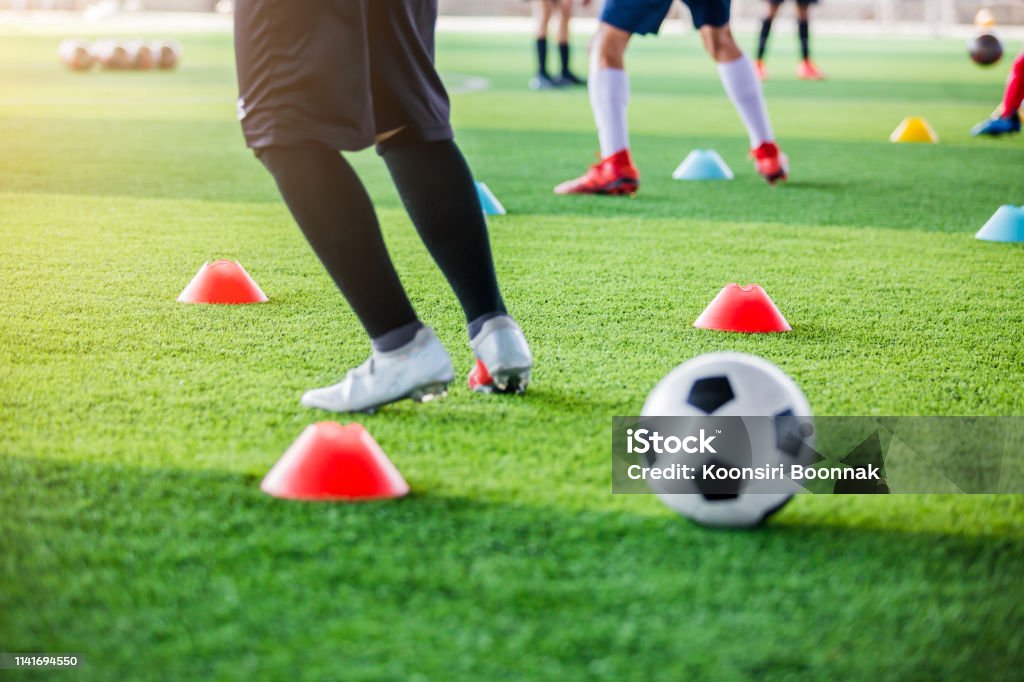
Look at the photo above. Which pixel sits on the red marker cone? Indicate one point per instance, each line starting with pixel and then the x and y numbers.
pixel 334 462
pixel 742 309
pixel 222 281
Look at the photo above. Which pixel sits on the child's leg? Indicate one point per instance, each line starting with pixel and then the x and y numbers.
pixel 740 81
pixel 804 30
pixel 609 88
pixel 1013 96
pixel 542 13
pixel 564 17
pixel 766 28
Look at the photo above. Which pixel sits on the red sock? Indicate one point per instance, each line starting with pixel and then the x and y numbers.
pixel 1014 87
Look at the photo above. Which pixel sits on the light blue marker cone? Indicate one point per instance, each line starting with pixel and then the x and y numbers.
pixel 488 201
pixel 703 164
pixel 1005 225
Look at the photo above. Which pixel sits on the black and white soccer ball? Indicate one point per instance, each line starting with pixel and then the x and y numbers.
pixel 732 385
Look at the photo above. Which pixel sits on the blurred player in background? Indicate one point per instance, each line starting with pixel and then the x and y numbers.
pixel 318 77
pixel 542 11
pixel 1006 118
pixel 609 91
pixel 806 69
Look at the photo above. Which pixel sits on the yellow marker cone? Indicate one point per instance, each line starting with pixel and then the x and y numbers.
pixel 984 18
pixel 913 129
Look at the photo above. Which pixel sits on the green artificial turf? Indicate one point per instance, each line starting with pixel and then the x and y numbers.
pixel 134 430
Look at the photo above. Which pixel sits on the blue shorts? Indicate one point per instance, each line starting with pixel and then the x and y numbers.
pixel 645 16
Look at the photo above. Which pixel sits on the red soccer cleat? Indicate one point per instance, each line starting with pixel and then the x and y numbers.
pixel 807 71
pixel 761 69
pixel 480 380
pixel 503 358
pixel 614 175
pixel 770 162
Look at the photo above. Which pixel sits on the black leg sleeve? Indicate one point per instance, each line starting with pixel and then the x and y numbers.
pixel 332 208
pixel 805 39
pixel 542 56
pixel 762 42
pixel 563 55
pixel 438 191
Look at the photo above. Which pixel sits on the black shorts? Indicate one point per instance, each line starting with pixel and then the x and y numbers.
pixel 337 72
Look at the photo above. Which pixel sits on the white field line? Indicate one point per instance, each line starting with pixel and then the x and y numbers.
pixel 460 83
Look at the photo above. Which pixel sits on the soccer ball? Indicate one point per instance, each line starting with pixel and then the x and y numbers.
pixel 985 49
pixel 734 385
pixel 75 55
pixel 141 55
pixel 166 53
pixel 112 55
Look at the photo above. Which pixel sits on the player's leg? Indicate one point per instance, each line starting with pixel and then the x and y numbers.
pixel 567 77
pixel 609 89
pixel 542 15
pixel 439 194
pixel 325 196
pixel 435 182
pixel 743 87
pixel 771 9
pixel 336 215
pixel 438 191
pixel 1013 96
pixel 806 70
pixel 608 86
pixel 1006 118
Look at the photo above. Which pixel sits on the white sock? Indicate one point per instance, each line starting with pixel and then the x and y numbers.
pixel 744 89
pixel 609 98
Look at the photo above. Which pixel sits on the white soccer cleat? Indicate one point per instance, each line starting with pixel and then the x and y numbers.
pixel 503 359
pixel 420 370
